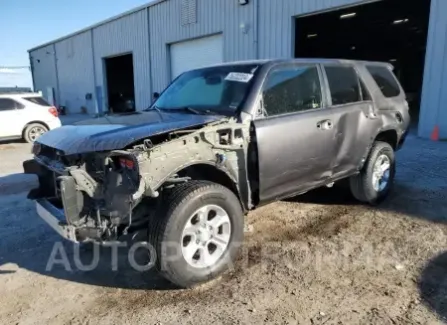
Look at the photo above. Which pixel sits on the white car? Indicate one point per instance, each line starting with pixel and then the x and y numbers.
pixel 26 116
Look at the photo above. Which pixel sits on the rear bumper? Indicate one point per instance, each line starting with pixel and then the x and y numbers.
pixel 53 217
pixel 54 123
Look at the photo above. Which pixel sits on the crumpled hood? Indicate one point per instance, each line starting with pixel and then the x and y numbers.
pixel 119 131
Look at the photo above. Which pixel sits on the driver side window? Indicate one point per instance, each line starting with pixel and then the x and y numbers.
pixel 292 89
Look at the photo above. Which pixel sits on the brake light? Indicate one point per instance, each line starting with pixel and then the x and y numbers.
pixel 53 111
pixel 126 163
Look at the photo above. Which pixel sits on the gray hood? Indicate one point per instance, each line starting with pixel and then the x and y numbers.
pixel 119 131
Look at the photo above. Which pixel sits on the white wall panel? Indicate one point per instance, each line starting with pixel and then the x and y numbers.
pixel 43 62
pixel 213 16
pixel 75 72
pixel 196 53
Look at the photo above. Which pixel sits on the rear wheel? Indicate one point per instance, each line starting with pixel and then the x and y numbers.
pixel 375 180
pixel 34 131
pixel 198 235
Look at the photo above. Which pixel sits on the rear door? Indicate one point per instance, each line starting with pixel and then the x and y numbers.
pixel 10 124
pixel 294 133
pixel 353 117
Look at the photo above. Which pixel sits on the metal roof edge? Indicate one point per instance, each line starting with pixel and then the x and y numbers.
pixel 103 22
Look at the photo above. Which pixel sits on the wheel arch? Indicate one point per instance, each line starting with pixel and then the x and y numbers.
pixel 208 171
pixel 33 122
pixel 389 136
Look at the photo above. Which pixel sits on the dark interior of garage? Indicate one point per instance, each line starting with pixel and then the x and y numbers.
pixel 389 30
pixel 120 83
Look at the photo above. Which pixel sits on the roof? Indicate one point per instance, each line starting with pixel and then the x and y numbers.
pixel 126 13
pixel 297 60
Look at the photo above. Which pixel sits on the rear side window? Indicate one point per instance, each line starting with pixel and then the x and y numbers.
pixel 37 100
pixel 7 104
pixel 385 80
pixel 345 85
pixel 292 89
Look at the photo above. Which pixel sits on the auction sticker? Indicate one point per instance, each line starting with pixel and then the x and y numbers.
pixel 239 76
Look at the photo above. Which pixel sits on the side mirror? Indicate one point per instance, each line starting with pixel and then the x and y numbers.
pixel 156 95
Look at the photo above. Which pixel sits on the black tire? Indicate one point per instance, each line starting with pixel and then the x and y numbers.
pixel 167 226
pixel 30 134
pixel 362 184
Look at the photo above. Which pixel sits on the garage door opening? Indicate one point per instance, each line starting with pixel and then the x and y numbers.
pixel 389 30
pixel 120 84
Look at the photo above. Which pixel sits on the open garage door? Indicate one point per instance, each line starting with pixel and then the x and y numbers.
pixel 388 30
pixel 195 54
pixel 120 83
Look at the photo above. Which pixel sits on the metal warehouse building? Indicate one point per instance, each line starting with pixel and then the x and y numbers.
pixel 133 55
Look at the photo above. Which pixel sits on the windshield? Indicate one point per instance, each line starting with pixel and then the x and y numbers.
pixel 219 90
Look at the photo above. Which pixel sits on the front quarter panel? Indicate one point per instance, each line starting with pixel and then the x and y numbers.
pixel 204 146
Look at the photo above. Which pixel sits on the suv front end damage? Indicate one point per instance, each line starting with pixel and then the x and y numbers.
pixel 100 196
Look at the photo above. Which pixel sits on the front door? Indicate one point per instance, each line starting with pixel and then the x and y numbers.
pixel 294 134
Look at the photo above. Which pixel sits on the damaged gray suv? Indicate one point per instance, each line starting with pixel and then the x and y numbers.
pixel 218 142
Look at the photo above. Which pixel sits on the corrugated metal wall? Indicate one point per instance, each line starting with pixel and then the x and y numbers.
pixel 129 34
pixel 268 33
pixel 213 16
pixel 43 62
pixel 75 72
pixel 434 92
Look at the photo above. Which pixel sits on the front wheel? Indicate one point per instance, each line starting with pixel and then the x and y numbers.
pixel 198 235
pixel 375 180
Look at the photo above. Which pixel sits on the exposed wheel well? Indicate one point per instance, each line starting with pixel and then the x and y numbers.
pixel 389 137
pixel 210 173
pixel 33 122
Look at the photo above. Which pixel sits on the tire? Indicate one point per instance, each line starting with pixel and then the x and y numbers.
pixel 33 131
pixel 179 208
pixel 363 187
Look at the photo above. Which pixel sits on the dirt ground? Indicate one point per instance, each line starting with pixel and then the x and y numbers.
pixel 315 259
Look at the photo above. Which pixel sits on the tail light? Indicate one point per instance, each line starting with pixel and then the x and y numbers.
pixel 53 111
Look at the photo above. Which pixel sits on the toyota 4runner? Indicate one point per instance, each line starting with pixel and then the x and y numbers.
pixel 218 142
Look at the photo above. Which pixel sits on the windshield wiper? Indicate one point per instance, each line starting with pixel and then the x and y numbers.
pixel 152 108
pixel 192 110
pixel 187 109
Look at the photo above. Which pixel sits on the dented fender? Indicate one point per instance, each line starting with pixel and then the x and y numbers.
pixel 222 146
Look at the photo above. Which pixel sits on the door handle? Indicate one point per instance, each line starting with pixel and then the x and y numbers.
pixel 325 125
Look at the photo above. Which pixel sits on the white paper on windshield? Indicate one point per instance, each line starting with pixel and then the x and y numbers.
pixel 239 76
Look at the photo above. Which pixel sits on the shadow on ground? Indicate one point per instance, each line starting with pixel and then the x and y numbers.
pixel 423 203
pixel 432 285
pixel 11 142
pixel 99 266
pixel 17 183
pixel 29 243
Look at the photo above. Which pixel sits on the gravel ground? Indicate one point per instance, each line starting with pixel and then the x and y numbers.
pixel 315 259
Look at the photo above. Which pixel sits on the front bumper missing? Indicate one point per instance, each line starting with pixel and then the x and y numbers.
pixel 53 216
